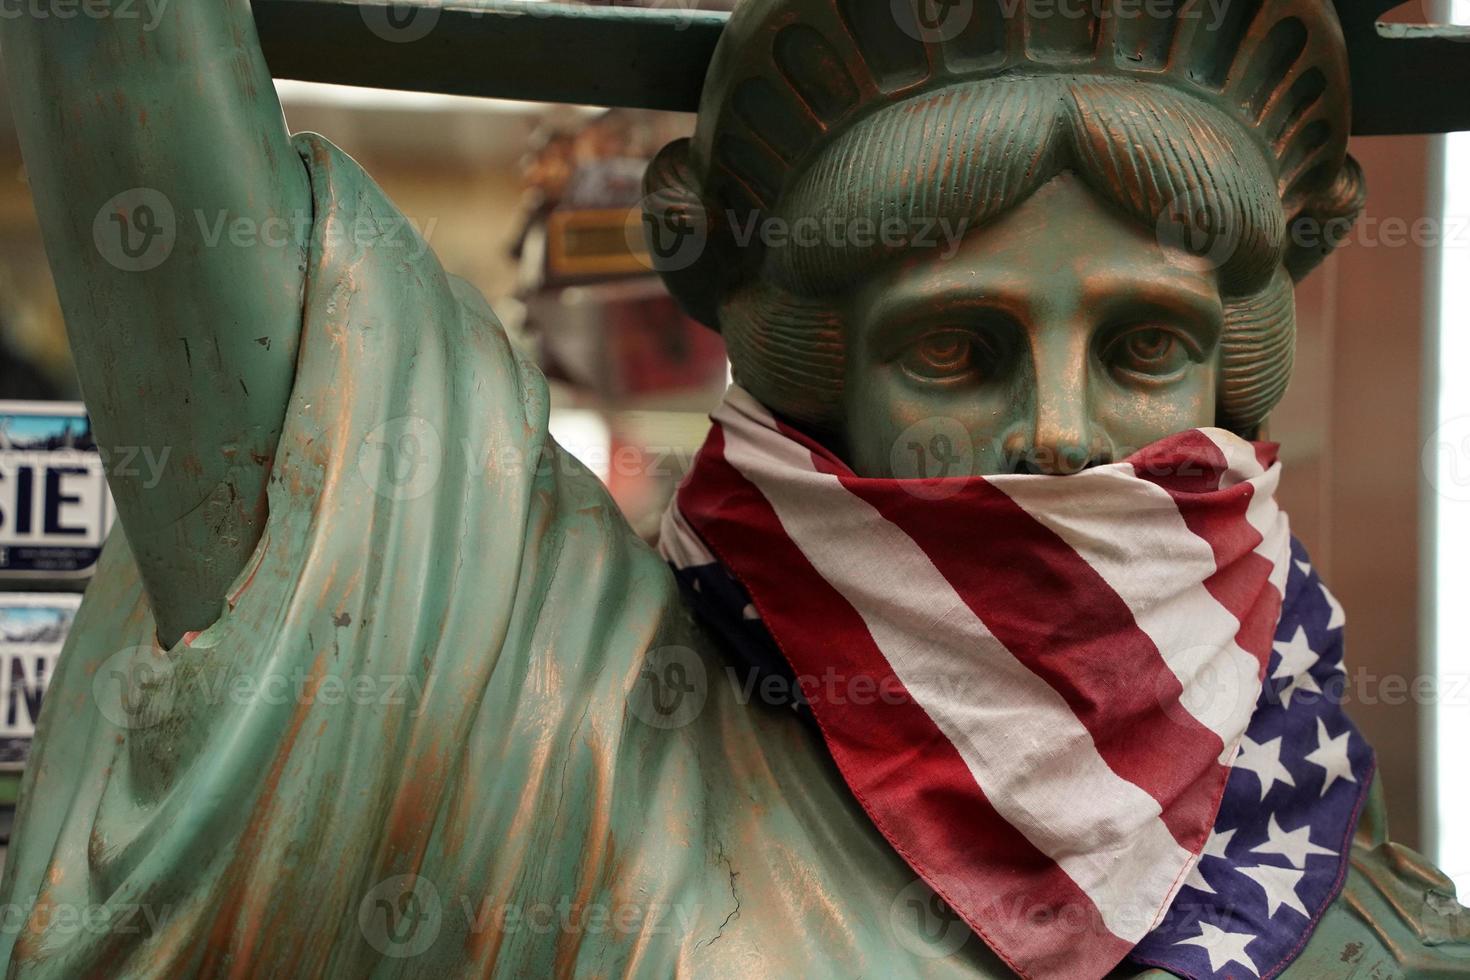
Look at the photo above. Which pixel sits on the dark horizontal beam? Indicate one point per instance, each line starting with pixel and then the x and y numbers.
pixel 506 49
pixel 1405 80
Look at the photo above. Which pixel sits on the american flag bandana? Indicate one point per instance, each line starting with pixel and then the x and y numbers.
pixel 1079 707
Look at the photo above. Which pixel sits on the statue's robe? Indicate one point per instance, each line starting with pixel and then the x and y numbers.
pixel 414 744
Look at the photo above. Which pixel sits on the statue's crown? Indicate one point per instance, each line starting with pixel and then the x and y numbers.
pixel 788 75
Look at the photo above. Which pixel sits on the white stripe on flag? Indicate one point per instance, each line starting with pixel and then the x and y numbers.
pixel 1131 533
pixel 1263 513
pixel 678 543
pixel 1022 744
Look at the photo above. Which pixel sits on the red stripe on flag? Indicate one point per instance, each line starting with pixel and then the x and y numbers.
pixel 1014 896
pixel 1058 616
pixel 1218 517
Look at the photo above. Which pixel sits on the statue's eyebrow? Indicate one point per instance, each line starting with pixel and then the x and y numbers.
pixel 969 304
pixel 1115 294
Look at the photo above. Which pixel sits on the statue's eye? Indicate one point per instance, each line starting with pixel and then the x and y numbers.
pixel 949 354
pixel 1151 352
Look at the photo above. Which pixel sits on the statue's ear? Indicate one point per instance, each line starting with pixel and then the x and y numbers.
pixel 1324 220
pixel 679 228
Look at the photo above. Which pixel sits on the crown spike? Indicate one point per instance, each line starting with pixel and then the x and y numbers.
pixel 757 167
pixel 1303 130
pixel 791 74
pixel 898 58
pixel 1070 34
pixel 1315 174
pixel 1210 38
pixel 1107 33
pixel 980 44
pixel 1312 139
pixel 1015 37
pixel 1145 43
pixel 814 69
pixel 1270 65
pixel 775 117
pixel 1306 91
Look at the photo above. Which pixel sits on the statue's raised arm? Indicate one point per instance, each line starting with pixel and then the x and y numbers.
pixel 175 214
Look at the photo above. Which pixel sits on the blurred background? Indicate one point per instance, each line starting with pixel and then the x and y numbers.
pixel 531 203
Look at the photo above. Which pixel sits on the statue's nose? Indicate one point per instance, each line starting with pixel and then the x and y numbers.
pixel 1059 441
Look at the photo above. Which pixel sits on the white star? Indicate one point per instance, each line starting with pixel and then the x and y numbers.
pixel 1297 659
pixel 1216 844
pixel 1297 656
pixel 1332 755
pixel 1279 885
pixel 1263 759
pixel 1223 947
pixel 1301 682
pixel 1294 846
pixel 1196 880
pixel 1214 847
pixel 1305 566
pixel 1338 618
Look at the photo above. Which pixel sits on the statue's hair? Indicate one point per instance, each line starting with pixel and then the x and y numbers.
pixel 965 155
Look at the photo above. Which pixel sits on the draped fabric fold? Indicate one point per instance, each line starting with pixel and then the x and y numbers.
pixel 409 732
pixel 457 721
pixel 1038 688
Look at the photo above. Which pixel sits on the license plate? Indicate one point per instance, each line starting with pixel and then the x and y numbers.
pixel 33 626
pixel 55 509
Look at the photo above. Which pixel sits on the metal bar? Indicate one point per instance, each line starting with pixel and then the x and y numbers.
pixel 1414 80
pixel 1406 79
pixel 541 52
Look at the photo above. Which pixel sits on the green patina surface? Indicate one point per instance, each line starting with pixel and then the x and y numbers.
pixel 423 691
pixel 503 752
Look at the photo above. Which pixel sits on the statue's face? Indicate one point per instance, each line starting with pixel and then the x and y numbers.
pixel 1060 336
